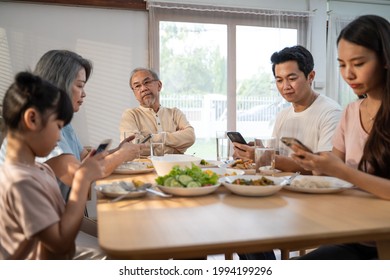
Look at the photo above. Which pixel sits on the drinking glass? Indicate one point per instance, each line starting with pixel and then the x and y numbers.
pixel 223 146
pixel 157 142
pixel 265 155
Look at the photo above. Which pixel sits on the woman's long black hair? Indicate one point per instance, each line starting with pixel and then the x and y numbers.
pixel 373 32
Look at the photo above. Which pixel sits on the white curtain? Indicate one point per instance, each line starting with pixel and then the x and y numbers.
pixel 337 88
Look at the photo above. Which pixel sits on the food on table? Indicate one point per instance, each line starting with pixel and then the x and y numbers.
pixel 120 187
pixel 308 183
pixel 242 164
pixel 204 162
pixel 263 181
pixel 193 177
pixel 210 172
pixel 137 183
pixel 114 188
pixel 134 165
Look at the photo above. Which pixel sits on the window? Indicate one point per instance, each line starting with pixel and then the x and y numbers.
pixel 214 65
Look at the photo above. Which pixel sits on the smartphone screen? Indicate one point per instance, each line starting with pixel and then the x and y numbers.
pixel 104 145
pixel 236 137
pixel 288 141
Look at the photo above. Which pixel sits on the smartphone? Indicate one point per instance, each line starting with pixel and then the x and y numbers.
pixel 288 141
pixel 103 146
pixel 146 139
pixel 236 137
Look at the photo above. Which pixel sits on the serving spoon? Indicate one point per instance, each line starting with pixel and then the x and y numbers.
pixel 131 188
pixel 287 181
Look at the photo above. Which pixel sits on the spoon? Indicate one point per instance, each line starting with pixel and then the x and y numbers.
pixel 127 188
pixel 148 187
pixel 158 193
pixel 145 187
pixel 287 181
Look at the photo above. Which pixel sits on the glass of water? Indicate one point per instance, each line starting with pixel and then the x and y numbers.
pixel 223 146
pixel 157 143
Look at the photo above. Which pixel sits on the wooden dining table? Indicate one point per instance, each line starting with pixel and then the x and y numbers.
pixel 153 227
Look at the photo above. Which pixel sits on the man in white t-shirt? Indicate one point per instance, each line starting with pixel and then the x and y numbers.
pixel 312 118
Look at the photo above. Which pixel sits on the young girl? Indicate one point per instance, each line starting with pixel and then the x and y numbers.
pixel 361 144
pixel 70 72
pixel 35 223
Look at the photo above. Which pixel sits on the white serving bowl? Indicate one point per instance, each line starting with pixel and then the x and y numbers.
pixel 163 165
pixel 189 191
pixel 251 190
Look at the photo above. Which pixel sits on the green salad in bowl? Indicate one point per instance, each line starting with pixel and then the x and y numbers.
pixel 193 177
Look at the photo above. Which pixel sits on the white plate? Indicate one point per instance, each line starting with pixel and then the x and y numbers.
pixel 246 171
pixel 134 167
pixel 318 184
pixel 211 163
pixel 223 172
pixel 251 190
pixel 115 189
pixel 268 170
pixel 197 191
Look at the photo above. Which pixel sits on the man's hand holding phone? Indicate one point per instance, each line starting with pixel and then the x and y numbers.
pixel 235 136
pixel 242 149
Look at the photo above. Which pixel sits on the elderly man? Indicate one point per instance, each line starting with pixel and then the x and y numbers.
pixel 151 117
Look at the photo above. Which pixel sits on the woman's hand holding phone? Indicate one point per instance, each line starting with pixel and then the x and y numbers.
pixel 146 139
pixel 103 146
pixel 295 144
pixel 290 141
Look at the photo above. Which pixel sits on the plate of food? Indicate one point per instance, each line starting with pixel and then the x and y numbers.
pixel 134 167
pixel 317 184
pixel 248 166
pixel 119 188
pixel 223 172
pixel 252 185
pixel 188 181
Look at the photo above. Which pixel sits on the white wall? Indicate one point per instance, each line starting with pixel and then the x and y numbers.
pixel 347 8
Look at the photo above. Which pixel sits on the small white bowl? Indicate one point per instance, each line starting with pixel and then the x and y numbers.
pixel 251 190
pixel 163 165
